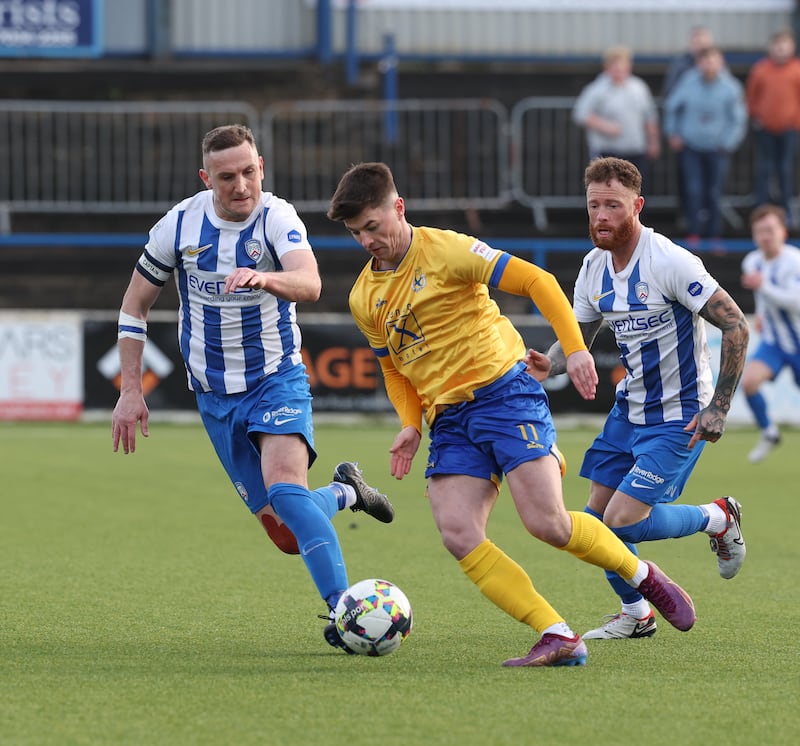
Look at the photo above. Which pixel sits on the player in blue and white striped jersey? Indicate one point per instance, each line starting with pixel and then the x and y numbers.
pixel 654 296
pixel 772 272
pixel 241 259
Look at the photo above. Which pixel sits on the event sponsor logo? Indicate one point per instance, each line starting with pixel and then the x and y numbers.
pixel 633 323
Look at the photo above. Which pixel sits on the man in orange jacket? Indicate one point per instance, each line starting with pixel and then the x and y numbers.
pixel 773 101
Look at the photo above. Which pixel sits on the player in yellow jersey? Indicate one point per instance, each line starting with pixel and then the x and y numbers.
pixel 445 350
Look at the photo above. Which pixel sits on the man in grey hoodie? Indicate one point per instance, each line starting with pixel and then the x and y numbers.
pixel 705 120
pixel 619 114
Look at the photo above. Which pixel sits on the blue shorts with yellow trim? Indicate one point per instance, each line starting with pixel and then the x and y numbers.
pixel 651 463
pixel 507 424
pixel 280 404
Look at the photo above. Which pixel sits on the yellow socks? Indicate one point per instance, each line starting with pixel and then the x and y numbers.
pixel 595 543
pixel 508 586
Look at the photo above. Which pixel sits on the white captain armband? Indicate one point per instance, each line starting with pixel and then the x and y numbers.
pixel 154 271
pixel 130 326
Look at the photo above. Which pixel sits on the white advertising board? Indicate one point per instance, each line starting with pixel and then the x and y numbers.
pixel 41 366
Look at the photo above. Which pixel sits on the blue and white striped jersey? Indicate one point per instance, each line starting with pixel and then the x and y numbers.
pixel 652 307
pixel 228 341
pixel 778 298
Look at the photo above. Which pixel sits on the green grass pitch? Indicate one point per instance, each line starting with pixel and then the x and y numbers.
pixel 140 604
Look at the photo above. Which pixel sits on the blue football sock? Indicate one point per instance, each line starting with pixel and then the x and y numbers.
pixel 758 406
pixel 316 537
pixel 665 522
pixel 619 585
pixel 329 499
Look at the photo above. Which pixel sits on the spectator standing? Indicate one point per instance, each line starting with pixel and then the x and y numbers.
pixel 619 114
pixel 705 120
pixel 699 39
pixel 773 102
pixel 772 272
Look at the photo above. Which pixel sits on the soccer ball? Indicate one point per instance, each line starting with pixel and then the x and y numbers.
pixel 373 617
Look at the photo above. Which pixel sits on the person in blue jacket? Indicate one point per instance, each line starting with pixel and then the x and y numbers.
pixel 705 120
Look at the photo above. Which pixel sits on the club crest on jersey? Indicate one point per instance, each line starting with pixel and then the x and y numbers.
pixel 642 291
pixel 242 490
pixel 253 249
pixel 419 280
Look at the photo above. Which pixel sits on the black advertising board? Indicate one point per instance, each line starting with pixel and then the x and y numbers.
pixel 344 374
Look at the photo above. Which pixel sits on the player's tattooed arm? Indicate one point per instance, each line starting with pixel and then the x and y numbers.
pixel 558 361
pixel 721 311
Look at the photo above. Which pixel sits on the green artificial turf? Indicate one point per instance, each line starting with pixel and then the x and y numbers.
pixel 141 604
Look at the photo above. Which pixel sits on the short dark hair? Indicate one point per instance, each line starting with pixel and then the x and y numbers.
pixel 227 136
pixel 607 169
pixel 763 210
pixel 363 185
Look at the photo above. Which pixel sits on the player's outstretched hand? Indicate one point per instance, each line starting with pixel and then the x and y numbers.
pixel 403 451
pixel 538 364
pixel 582 373
pixel 127 413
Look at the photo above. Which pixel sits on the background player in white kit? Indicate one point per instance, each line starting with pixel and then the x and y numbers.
pixel 241 259
pixel 772 272
pixel 653 295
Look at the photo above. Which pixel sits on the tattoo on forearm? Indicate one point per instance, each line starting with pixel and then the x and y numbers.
pixel 558 361
pixel 722 312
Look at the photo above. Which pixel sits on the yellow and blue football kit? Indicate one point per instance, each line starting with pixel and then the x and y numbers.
pixel 432 320
pixel 446 350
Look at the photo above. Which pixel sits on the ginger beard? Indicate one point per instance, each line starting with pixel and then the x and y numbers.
pixel 616 237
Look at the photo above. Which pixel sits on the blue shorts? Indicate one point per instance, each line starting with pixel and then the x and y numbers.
pixel 777 359
pixel 279 404
pixel 507 424
pixel 651 463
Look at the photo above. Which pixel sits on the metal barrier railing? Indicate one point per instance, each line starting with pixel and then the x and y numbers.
pixel 105 157
pixel 549 155
pixel 446 154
